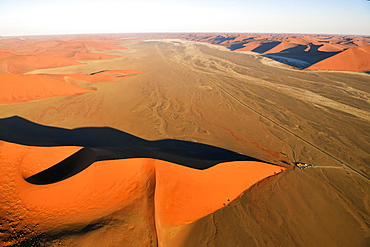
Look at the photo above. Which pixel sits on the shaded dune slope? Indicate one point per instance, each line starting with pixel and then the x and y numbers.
pixel 105 143
pixel 301 53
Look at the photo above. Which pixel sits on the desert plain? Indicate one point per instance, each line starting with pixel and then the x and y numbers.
pixel 185 140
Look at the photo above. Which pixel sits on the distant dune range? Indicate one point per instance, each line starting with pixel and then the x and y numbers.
pixel 184 140
pixel 301 51
pixel 19 58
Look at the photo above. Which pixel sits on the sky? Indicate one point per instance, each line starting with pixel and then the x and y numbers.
pixel 47 17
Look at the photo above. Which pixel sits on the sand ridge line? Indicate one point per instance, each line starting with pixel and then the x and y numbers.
pixel 266 117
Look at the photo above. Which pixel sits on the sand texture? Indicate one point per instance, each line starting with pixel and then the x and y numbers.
pixel 184 140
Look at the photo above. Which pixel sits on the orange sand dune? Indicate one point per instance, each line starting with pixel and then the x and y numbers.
pixel 184 195
pixel 281 47
pixel 32 47
pixel 21 88
pixel 353 59
pixel 327 47
pixel 241 38
pixel 299 41
pixel 348 44
pixel 181 194
pixel 250 46
pixel 361 43
pixel 75 55
pixel 88 46
pixel 91 194
pixel 24 63
pixel 6 54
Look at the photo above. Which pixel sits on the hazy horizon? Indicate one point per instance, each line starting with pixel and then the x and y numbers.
pixel 41 17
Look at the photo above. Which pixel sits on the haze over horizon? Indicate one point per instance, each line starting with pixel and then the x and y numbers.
pixel 42 17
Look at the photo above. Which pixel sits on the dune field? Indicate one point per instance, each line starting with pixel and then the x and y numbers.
pixel 185 140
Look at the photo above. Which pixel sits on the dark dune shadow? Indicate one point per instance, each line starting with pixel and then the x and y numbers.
pixel 298 57
pixel 72 165
pixel 219 39
pixel 234 47
pixel 266 46
pixel 104 143
pixel 240 44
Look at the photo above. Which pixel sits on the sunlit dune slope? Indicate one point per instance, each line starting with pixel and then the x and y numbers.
pixel 300 41
pixel 250 46
pixel 353 59
pixel 184 194
pixel 145 191
pixel 281 47
pixel 36 47
pixel 24 63
pixel 21 88
pixel 20 56
pixel 92 196
pixel 327 47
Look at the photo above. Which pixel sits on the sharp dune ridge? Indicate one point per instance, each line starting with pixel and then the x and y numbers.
pixel 184 139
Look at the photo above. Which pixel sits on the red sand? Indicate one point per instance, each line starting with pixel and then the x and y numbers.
pixel 24 63
pixel 281 47
pixel 299 41
pixel 353 59
pixel 87 46
pixel 182 195
pixel 95 192
pixel 75 55
pixel 21 88
pixel 327 47
pixel 241 38
pixel 250 46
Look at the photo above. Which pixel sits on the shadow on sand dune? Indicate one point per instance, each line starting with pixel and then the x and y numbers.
pixel 300 57
pixel 104 143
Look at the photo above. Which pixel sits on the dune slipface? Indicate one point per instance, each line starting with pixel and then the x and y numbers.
pixel 22 88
